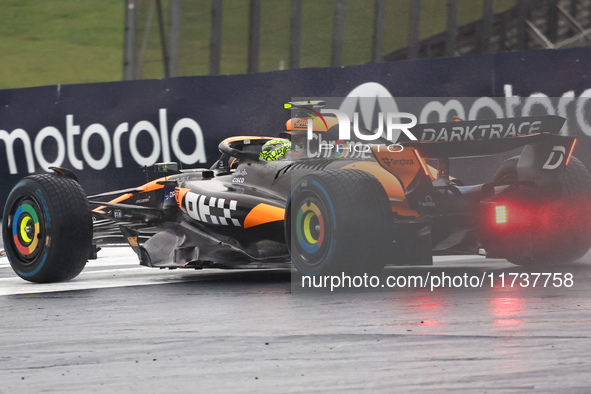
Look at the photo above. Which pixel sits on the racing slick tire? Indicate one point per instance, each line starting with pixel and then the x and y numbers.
pixel 339 221
pixel 47 228
pixel 570 217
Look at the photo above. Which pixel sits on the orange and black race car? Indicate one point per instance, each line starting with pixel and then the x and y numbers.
pixel 324 204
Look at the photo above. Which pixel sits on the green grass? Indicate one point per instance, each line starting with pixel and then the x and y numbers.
pixel 44 42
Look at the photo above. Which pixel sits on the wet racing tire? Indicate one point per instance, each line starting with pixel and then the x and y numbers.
pixel 562 232
pixel 47 228
pixel 339 221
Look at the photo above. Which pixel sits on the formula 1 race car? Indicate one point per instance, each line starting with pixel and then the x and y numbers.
pixel 324 204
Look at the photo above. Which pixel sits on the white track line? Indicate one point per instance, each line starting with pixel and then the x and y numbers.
pixel 14 286
pixel 100 273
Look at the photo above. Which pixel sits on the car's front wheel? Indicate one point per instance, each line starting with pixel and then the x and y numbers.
pixel 47 228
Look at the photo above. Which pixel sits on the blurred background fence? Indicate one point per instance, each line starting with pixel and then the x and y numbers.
pixel 211 37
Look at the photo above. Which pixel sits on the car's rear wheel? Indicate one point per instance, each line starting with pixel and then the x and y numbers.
pixel 339 221
pixel 560 231
pixel 47 228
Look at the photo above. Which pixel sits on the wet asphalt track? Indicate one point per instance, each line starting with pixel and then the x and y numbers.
pixel 123 328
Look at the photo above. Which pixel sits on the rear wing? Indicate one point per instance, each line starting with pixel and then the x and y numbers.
pixel 481 138
pixel 542 161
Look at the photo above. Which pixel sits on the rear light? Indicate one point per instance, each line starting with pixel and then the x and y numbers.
pixel 500 214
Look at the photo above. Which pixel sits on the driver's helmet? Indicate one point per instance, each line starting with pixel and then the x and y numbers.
pixel 275 149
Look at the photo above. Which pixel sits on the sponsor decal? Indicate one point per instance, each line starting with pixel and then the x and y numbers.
pixel 132 241
pixel 211 210
pixel 556 158
pixel 300 123
pixel 239 176
pixel 117 214
pixel 394 162
pixel 428 203
pixel 480 132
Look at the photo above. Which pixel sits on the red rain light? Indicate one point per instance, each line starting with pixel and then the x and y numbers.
pixel 501 214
